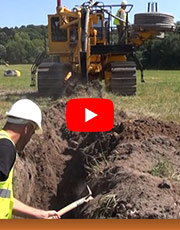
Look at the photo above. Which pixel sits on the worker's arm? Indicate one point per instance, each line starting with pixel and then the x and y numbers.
pixel 23 210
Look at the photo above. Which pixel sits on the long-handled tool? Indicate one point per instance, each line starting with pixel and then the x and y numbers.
pixel 76 203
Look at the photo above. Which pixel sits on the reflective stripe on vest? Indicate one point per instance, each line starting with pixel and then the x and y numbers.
pixel 5 193
pixel 6 190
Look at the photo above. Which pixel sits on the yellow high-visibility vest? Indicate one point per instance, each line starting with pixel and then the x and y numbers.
pixel 121 14
pixel 6 189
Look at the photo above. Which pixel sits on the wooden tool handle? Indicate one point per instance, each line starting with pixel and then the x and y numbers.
pixel 73 205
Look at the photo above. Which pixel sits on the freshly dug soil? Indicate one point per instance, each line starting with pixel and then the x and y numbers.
pixel 133 170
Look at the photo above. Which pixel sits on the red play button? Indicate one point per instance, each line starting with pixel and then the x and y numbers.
pixel 90 115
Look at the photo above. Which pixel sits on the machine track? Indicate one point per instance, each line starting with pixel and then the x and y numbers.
pixel 51 78
pixel 123 81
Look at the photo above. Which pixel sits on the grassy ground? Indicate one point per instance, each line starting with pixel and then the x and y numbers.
pixel 16 83
pixel 159 96
pixel 14 88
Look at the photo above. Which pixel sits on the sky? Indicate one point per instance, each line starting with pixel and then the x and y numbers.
pixel 22 12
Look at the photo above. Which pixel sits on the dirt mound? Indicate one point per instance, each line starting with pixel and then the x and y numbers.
pixel 133 170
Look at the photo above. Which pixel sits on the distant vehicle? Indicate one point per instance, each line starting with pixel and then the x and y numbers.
pixel 12 73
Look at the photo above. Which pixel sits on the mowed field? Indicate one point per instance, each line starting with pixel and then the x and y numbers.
pixel 159 96
pixel 14 88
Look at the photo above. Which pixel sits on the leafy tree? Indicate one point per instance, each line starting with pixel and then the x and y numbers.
pixel 2 52
pixel 178 27
pixel 3 37
pixel 161 54
pixel 22 45
pixel 9 32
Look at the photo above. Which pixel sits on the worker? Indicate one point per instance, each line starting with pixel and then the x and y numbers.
pixel 23 119
pixel 121 25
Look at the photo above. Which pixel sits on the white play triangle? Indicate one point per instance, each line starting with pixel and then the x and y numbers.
pixel 89 115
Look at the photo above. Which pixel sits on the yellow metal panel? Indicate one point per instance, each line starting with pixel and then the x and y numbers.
pixel 141 37
pixel 95 58
pixel 107 78
pixel 65 26
pixel 95 18
pixel 112 58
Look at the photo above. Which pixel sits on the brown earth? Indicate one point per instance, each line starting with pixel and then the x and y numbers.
pixel 133 170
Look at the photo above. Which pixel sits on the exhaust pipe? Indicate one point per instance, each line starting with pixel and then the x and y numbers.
pixel 58 3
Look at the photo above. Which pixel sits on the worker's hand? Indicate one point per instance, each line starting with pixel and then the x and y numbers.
pixel 25 211
pixel 50 215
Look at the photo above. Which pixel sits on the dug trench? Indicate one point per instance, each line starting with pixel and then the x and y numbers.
pixel 133 170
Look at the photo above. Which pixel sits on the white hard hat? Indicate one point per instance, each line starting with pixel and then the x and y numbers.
pixel 124 2
pixel 27 110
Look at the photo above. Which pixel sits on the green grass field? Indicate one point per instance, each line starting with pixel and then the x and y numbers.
pixel 14 88
pixel 16 83
pixel 159 96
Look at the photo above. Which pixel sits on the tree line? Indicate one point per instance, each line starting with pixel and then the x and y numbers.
pixel 22 45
